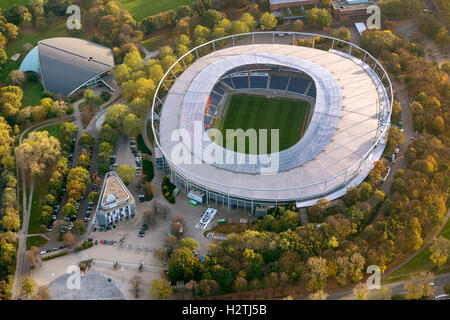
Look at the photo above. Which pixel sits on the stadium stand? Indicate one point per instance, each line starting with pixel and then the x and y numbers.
pixel 240 82
pixel 219 90
pixel 227 81
pixel 298 85
pixel 278 82
pixel 215 98
pixel 258 81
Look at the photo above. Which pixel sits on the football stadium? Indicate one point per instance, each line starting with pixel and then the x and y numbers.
pixel 330 100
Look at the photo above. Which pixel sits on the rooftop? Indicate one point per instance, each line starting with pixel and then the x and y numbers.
pixel 114 192
pixel 66 64
pixel 352 4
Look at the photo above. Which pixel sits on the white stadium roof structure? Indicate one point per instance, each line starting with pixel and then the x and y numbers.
pixel 67 64
pixel 349 123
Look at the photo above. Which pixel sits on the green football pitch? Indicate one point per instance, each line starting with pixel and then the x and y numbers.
pixel 259 112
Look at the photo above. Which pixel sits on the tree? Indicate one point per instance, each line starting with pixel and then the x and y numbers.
pixel 210 18
pixel 107 134
pixel 189 243
pixel 268 21
pixel 86 139
pixel 318 17
pixel 249 20
pixel 208 287
pixel 42 293
pixel 240 285
pixel 440 250
pixel 69 239
pixel 419 286
pixel 132 125
pixel 136 282
pixel 115 115
pixel 183 265
pixel 3 57
pixel 17 77
pixel 400 8
pixel 69 209
pixel 379 195
pixel 32 254
pixel 133 60
pixel 161 289
pixel 438 125
pixel 126 173
pixel 298 25
pixel 317 273
pixel 361 291
pixel 318 295
pixel 88 95
pixel 395 138
pixel 79 228
pixel 289 220
pixel 28 285
pixel 39 151
pixel 240 27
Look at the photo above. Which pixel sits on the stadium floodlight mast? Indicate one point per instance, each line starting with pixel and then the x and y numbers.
pixel 375 69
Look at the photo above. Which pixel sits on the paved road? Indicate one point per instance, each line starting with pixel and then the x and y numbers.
pixel 396 288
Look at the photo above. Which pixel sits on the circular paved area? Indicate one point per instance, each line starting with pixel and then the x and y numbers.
pixel 93 286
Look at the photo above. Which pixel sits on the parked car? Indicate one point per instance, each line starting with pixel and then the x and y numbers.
pixel 141 197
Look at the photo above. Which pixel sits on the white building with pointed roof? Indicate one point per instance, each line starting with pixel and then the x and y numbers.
pixel 115 203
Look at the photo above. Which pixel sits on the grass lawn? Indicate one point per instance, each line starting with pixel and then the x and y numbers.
pixel 36 241
pixel 156 40
pixel 33 93
pixel 141 145
pixel 259 112
pixel 421 262
pixel 147 169
pixel 53 130
pixel 40 190
pixel 140 9
pixel 6 4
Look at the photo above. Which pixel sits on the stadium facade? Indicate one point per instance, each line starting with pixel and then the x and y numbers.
pixel 66 65
pixel 351 96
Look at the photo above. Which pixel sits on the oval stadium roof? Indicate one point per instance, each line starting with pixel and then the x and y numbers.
pixel 66 64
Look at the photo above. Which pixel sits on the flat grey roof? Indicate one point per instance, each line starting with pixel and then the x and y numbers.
pixel 68 63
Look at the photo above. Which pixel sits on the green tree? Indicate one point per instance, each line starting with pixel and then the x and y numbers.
pixel 249 20
pixel 419 286
pixel 318 17
pixel 69 209
pixel 86 139
pixel 210 18
pixel 268 21
pixel 239 27
pixel 440 250
pixel 161 289
pixel 189 243
pixel 88 95
pixel 132 125
pixel 79 228
pixel 317 273
pixel 126 173
pixel 361 291
pixel 39 151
